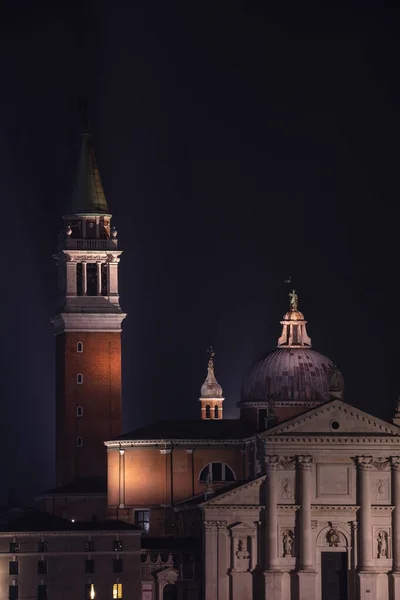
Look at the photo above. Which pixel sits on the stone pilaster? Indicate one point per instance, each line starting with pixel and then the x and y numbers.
pixel 210 580
pixel 365 465
pixel 223 560
pixel 84 278
pixel 98 267
pixel 272 463
pixel 121 478
pixel 306 574
pixel 395 575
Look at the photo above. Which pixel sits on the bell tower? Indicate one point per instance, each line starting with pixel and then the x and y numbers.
pixel 87 329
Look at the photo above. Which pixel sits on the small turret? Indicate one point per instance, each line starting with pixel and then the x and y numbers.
pixel 211 393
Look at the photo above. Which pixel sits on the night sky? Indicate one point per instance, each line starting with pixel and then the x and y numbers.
pixel 238 145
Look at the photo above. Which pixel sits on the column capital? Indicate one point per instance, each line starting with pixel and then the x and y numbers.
pixel 364 463
pixel 305 462
pixel 221 524
pixel 210 525
pixel 395 462
pixel 272 462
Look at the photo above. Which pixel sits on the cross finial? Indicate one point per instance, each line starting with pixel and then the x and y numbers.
pixel 211 355
pixel 83 107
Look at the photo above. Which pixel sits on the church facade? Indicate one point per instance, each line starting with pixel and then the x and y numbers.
pixel 298 498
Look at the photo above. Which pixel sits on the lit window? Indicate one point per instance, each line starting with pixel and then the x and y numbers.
pixel 90 592
pixel 79 444
pixel 117 545
pixel 79 347
pixel 79 411
pixel 13 592
pixel 117 591
pixel 14 567
pixel 79 378
pixel 217 471
pixel 142 520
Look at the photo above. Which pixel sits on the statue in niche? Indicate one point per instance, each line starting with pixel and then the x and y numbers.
pixel 382 544
pixel 241 551
pixel 287 489
pixel 332 537
pixel 381 488
pixel 287 543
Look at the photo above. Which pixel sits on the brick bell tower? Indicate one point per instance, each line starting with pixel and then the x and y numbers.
pixel 87 329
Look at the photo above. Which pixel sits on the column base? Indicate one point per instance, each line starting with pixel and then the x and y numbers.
pixel 273 582
pixel 306 585
pixel 394 585
pixel 367 585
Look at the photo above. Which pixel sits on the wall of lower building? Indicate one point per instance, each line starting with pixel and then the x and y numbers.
pixel 66 577
pixel 151 478
pixel 80 508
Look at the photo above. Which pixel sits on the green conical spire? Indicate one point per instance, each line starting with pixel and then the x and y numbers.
pixel 88 196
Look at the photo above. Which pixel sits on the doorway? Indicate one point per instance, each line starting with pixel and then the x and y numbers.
pixel 334 575
pixel 170 592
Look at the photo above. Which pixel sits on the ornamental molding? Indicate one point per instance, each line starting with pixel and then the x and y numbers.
pixel 90 321
pixel 222 508
pixel 382 509
pixel 284 509
pixel 346 509
pixel 305 461
pixel 91 256
pixel 395 462
pixel 331 440
pixel 382 464
pixel 214 525
pixel 285 463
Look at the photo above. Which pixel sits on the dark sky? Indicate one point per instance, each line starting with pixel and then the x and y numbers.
pixel 238 143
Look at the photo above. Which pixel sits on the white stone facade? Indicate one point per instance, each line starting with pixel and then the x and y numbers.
pixel 327 501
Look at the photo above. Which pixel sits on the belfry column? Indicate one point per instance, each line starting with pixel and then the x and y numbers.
pixel 84 278
pixel 273 576
pixel 367 579
pixel 306 573
pixel 395 460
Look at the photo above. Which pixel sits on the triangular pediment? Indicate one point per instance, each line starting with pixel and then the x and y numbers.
pixel 246 494
pixel 334 418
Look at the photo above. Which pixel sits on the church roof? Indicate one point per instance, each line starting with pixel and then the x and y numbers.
pixel 88 196
pixel 80 487
pixel 218 429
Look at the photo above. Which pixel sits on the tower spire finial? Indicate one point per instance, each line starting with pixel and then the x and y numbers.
pixel 83 107
pixel 294 300
pixel 211 355
pixel 211 392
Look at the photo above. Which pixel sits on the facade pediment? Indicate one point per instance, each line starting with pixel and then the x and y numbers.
pixel 247 494
pixel 332 418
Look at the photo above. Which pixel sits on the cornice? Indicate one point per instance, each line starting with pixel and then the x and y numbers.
pixel 329 508
pixel 117 444
pixel 88 321
pixel 332 440
pixel 382 508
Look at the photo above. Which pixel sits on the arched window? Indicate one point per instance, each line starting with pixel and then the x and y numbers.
pixel 216 412
pixel 219 472
pixel 79 378
pixel 208 411
pixel 79 347
pixel 79 411
pixel 79 442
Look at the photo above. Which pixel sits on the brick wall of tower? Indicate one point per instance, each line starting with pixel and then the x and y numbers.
pixel 99 396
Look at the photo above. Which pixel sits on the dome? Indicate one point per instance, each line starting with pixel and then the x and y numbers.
pixel 290 374
pixel 293 372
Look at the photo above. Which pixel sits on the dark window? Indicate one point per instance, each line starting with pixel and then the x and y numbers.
pixel 215 412
pixel 79 378
pixel 42 546
pixel 142 520
pixel 117 565
pixel 91 274
pixel 14 547
pixel 208 412
pixel 89 546
pixel 79 279
pixel 42 592
pixel 219 472
pixel 104 286
pixel 79 347
pixel 79 442
pixel 14 567
pixel 89 566
pixel 117 546
pixel 13 592
pixel 42 567
pixel 79 411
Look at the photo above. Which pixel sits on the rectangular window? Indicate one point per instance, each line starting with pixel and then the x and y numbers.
pixel 42 567
pixel 90 592
pixel 142 520
pixel 14 547
pixel 117 591
pixel 13 592
pixel 117 546
pixel 89 566
pixel 89 546
pixel 42 592
pixel 14 567
pixel 117 565
pixel 42 547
